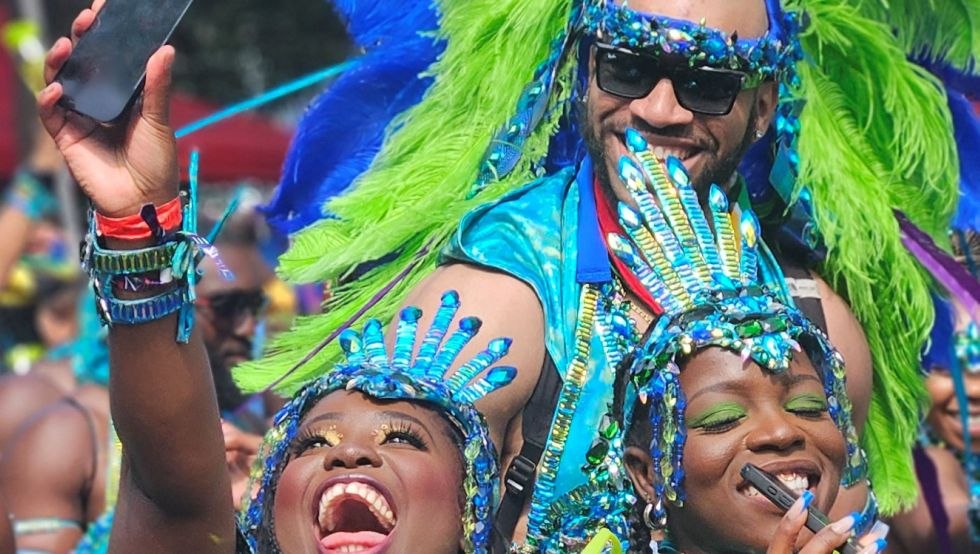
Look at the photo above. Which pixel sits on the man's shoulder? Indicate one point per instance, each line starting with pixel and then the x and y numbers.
pixel 524 221
pixel 536 204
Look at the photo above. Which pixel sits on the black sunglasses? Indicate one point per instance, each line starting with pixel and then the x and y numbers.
pixel 704 90
pixel 231 306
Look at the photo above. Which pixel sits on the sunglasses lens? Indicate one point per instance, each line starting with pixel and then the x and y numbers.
pixel 707 91
pixel 624 74
pixel 234 304
pixel 631 75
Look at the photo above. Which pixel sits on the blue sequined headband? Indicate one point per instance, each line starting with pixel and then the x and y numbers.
pixel 770 56
pixel 707 283
pixel 367 369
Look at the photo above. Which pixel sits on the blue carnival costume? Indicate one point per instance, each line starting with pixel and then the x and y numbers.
pixel 859 132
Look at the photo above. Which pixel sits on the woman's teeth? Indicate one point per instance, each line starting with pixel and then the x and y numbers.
pixel 796 482
pixel 351 548
pixel 368 495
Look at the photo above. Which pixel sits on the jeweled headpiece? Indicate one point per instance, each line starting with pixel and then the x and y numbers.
pixel 966 345
pixel 769 56
pixel 707 283
pixel 369 370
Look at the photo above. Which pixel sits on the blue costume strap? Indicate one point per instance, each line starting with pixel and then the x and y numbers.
pixel 593 261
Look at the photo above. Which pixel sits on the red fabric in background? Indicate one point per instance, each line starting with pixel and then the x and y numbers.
pixel 246 146
pixel 9 151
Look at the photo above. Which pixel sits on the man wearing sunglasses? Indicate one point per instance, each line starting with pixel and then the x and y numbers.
pixel 229 313
pixel 701 82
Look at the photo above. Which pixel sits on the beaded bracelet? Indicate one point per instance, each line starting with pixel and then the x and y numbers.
pixel 170 265
pixel 130 262
pixel 132 312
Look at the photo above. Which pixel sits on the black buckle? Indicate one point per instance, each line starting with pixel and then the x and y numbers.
pixel 520 475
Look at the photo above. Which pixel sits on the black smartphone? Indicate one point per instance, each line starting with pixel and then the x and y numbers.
pixel 780 495
pixel 105 71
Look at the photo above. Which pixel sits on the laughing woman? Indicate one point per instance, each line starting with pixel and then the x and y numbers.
pixel 729 375
pixel 380 455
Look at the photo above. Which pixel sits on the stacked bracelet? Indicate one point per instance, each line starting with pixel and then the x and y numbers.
pixel 168 268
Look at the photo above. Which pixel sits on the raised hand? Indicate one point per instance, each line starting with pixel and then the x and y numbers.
pixel 119 168
pixel 828 540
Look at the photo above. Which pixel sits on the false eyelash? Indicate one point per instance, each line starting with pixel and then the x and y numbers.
pixel 307 439
pixel 401 429
pixel 720 426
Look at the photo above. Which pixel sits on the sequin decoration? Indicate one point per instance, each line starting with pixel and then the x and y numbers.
pixel 566 523
pixel 767 57
pixel 724 304
pixel 368 369
pixel 966 345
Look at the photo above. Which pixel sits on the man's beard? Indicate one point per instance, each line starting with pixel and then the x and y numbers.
pixel 230 397
pixel 717 172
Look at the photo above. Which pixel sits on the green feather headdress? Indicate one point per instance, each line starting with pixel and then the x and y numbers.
pixel 876 136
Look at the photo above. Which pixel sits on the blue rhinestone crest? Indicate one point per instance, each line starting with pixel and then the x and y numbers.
pixel 706 278
pixel 369 370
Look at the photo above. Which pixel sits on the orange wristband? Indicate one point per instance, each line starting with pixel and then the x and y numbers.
pixel 134 227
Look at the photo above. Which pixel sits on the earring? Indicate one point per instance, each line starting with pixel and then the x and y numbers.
pixel 759 133
pixel 654 516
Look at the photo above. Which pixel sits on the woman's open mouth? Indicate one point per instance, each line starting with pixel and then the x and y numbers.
pixel 797 477
pixel 354 515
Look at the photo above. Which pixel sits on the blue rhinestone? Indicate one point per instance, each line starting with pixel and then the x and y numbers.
pixel 677 171
pixel 411 314
pixel 471 324
pixel 500 345
pixel 717 199
pixel 635 141
pixel 500 376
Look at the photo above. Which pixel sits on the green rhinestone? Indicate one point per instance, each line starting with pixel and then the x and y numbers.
pixel 597 453
pixel 750 329
pixel 610 431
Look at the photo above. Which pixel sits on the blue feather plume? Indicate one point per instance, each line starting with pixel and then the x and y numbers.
pixel 343 129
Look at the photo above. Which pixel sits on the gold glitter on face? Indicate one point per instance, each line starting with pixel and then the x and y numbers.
pixel 381 433
pixel 333 436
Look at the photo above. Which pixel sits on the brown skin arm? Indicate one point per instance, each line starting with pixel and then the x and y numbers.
pixel 44 472
pixel 508 307
pixel 174 484
pixel 848 337
pixel 174 489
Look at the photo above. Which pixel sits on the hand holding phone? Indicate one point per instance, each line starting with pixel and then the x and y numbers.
pixel 780 495
pixel 105 71
pixel 119 168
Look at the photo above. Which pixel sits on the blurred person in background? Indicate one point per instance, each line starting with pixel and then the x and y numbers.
pixel 949 475
pixel 57 470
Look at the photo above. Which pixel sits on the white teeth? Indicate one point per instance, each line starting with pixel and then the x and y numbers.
pixel 661 153
pixel 374 500
pixel 796 482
